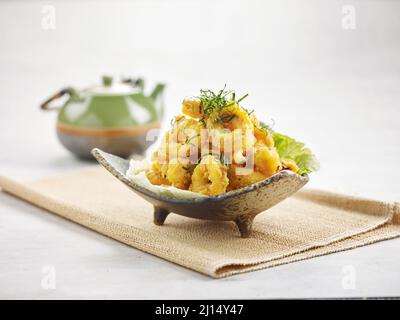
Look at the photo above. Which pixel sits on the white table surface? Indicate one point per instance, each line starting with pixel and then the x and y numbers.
pixel 339 92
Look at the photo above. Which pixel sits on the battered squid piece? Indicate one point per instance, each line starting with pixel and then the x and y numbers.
pixel 237 181
pixel 235 117
pixel 289 164
pixel 210 177
pixel 178 176
pixel 263 136
pixel 156 179
pixel 191 108
pixel 157 174
pixel 266 160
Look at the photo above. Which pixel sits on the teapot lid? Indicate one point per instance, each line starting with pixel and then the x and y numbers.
pixel 110 87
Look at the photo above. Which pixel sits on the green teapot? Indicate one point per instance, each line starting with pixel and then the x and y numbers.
pixel 113 116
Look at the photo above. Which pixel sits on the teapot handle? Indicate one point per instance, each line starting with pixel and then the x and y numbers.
pixel 59 94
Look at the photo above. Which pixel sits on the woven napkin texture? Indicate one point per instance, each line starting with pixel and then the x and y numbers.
pixel 309 224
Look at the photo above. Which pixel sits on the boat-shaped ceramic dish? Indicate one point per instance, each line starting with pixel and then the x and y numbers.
pixel 240 206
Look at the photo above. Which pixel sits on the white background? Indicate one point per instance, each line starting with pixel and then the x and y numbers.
pixel 336 89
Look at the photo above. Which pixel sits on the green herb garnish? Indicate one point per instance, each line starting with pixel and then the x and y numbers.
pixel 242 98
pixel 211 102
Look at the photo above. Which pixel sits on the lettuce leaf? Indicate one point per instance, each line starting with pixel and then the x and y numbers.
pixel 289 148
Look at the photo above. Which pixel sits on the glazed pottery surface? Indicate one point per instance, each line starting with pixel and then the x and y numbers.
pixel 239 206
pixel 113 117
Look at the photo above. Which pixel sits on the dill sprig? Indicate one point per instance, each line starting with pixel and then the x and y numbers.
pixel 242 98
pixel 211 102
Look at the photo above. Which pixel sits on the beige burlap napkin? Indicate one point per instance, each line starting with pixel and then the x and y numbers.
pixel 309 224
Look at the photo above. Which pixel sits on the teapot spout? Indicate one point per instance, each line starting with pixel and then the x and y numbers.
pixel 157 91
